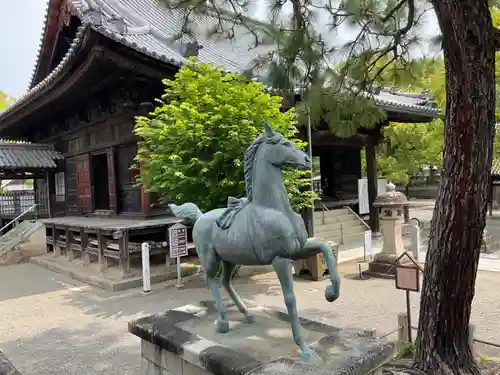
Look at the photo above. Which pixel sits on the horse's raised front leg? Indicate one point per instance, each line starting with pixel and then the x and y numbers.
pixel 332 291
pixel 283 268
pixel 210 263
pixel 227 282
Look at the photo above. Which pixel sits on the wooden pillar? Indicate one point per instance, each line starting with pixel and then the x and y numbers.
pixel 145 201
pixel 145 196
pixel 307 217
pixel 110 154
pixel 124 260
pixel 371 176
pixel 48 196
pixel 490 196
pixel 102 245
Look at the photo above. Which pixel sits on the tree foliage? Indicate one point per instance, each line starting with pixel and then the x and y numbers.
pixel 5 101
pixel 407 148
pixel 194 141
pixel 299 49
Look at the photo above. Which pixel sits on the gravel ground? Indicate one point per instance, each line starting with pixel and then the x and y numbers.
pixel 55 325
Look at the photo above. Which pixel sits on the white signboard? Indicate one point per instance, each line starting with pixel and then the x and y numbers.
pixel 381 185
pixel 364 204
pixel 368 244
pixel 177 234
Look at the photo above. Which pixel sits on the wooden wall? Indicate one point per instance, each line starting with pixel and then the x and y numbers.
pixel 105 133
pixel 129 194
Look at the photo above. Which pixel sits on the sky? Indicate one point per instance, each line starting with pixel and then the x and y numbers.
pixel 20 31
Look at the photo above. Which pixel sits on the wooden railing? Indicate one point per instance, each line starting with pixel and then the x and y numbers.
pixel 13 203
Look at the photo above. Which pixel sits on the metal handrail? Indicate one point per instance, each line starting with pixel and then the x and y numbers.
pixel 358 217
pixel 323 209
pixel 18 217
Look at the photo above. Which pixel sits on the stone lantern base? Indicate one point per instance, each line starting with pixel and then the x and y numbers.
pixel 380 269
pixel 383 266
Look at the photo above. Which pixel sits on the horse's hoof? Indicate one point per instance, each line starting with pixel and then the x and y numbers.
pixel 307 355
pixel 250 318
pixel 331 293
pixel 222 326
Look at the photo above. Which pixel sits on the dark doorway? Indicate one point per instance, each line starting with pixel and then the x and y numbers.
pixel 100 181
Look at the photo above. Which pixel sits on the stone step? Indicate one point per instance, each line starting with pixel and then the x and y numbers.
pixel 336 226
pixel 345 230
pixel 332 213
pixel 17 235
pixel 348 218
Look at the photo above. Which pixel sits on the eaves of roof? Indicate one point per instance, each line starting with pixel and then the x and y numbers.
pixel 26 156
pixel 390 105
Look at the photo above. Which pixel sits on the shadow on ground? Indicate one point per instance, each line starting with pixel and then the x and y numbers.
pixel 29 281
pixel 91 351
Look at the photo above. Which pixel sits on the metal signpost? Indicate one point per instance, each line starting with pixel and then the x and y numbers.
pixel 177 234
pixel 408 279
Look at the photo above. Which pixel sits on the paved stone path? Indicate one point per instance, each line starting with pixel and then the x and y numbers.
pixel 54 325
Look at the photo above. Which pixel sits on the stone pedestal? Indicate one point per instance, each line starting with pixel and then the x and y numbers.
pixel 184 341
pixel 391 205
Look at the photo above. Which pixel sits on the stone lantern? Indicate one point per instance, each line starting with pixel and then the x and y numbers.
pixel 391 206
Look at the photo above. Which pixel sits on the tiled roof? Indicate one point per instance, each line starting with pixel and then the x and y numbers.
pixel 148 27
pixel 390 99
pixel 19 155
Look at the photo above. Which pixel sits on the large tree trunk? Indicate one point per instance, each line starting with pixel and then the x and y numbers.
pixel 460 213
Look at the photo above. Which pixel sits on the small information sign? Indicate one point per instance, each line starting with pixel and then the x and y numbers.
pixel 177 234
pixel 408 278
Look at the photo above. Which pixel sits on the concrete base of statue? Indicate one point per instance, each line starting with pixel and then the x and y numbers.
pixel 184 341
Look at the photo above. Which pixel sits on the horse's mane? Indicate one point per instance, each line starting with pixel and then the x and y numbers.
pixel 249 158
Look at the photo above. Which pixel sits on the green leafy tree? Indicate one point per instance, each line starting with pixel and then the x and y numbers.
pixel 407 148
pixel 5 101
pixel 194 141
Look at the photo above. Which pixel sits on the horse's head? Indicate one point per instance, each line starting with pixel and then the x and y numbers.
pixel 284 154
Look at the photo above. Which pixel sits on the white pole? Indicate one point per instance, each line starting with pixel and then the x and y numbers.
pixel 179 276
pixel 415 241
pixel 309 142
pixel 146 272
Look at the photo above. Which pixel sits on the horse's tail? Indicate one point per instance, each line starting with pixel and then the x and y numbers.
pixel 188 211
